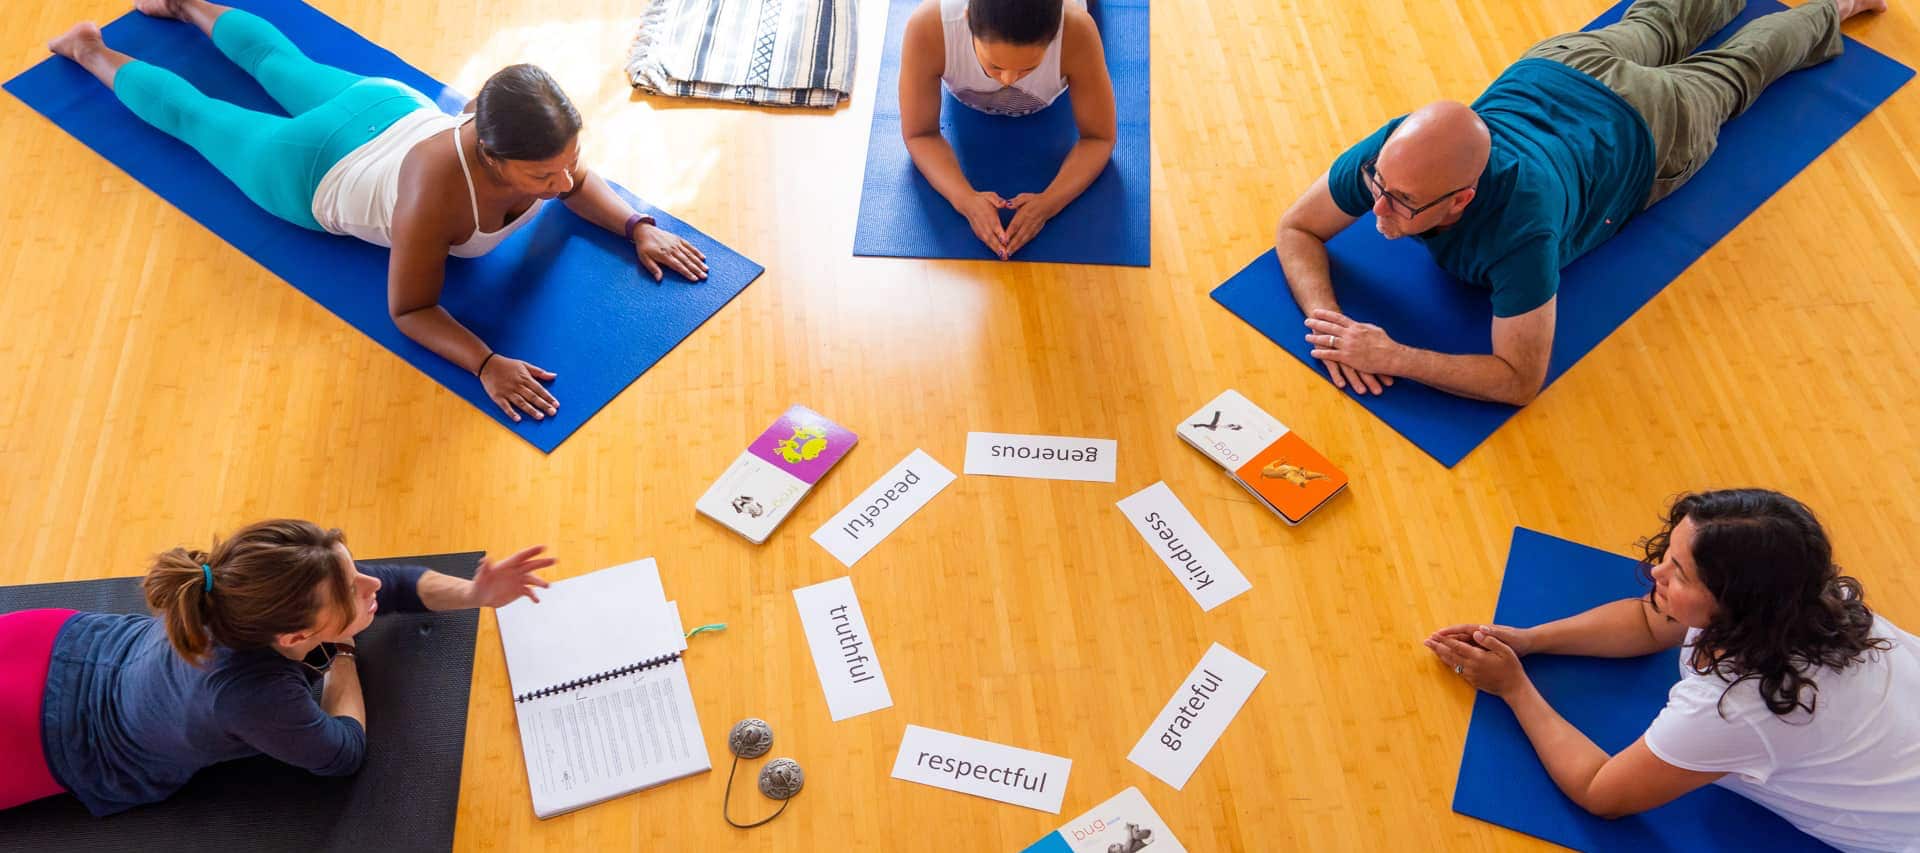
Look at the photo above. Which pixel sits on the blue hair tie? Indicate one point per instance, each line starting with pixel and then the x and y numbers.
pixel 207 571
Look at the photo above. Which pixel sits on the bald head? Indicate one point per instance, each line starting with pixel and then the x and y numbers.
pixel 1438 148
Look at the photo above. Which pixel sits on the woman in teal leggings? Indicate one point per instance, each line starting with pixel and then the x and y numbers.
pixel 375 159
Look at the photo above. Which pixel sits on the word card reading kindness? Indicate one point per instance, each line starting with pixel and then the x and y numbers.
pixel 1043 457
pixel 842 649
pixel 1188 551
pixel 1188 727
pixel 883 507
pixel 982 768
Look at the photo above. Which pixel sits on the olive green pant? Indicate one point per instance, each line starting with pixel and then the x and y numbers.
pixel 1648 59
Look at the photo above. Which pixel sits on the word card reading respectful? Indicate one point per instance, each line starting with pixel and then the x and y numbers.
pixel 842 649
pixel 982 768
pixel 1184 546
pixel 883 507
pixel 1193 721
pixel 1042 457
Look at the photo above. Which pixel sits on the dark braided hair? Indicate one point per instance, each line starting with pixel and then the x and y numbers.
pixel 1783 610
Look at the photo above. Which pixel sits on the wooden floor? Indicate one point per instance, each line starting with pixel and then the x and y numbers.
pixel 161 387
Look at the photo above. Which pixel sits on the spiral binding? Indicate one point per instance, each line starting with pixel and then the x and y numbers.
pixel 609 675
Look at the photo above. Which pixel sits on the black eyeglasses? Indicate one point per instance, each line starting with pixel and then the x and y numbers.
pixel 1405 209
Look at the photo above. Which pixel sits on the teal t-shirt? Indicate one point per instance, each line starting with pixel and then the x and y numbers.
pixel 1571 162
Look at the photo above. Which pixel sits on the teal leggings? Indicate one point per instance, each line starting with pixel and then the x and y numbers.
pixel 276 160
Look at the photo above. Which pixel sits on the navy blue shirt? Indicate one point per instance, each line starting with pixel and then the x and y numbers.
pixel 127 721
pixel 1571 162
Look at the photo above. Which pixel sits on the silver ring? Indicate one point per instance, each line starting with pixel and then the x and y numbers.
pixel 1456 671
pixel 1332 342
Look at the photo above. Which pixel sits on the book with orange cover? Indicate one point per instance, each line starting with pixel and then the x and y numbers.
pixel 1268 460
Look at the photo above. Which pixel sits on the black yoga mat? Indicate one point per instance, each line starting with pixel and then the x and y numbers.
pixel 416 669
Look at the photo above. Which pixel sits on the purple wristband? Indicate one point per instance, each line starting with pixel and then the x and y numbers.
pixel 634 222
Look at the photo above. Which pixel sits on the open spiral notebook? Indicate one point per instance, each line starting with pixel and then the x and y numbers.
pixel 600 690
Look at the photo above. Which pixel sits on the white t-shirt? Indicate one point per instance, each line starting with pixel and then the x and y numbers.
pixel 1849 774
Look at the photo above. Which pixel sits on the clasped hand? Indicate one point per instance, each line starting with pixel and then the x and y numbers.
pixel 1358 355
pixel 1031 212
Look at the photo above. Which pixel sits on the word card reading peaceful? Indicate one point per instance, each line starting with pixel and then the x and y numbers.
pixel 883 507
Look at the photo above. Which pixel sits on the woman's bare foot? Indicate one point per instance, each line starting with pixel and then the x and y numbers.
pixel 157 8
pixel 76 43
pixel 83 45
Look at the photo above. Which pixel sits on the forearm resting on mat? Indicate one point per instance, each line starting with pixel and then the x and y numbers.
pixel 1618 629
pixel 340 692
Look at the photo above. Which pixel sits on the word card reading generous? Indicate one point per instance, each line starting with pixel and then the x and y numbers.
pixel 842 649
pixel 883 507
pixel 1184 546
pixel 1044 457
pixel 1199 712
pixel 982 768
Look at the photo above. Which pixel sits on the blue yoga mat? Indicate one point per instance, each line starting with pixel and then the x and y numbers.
pixel 901 216
pixel 1613 701
pixel 1396 285
pixel 561 293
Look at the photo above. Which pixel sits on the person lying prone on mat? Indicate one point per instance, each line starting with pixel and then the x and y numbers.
pixel 1006 57
pixel 373 158
pixel 1792 693
pixel 122 709
pixel 1565 147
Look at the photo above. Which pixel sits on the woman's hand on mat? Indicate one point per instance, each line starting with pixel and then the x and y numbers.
pixel 1483 660
pixel 659 248
pixel 1520 640
pixel 1030 214
pixel 514 384
pixel 982 210
pixel 499 584
pixel 1359 356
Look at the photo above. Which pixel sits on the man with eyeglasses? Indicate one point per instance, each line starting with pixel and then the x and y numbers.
pixel 1555 156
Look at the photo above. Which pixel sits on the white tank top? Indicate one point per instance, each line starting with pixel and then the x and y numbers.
pixel 970 84
pixel 357 197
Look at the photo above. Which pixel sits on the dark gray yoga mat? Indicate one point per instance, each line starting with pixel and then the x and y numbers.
pixel 416 669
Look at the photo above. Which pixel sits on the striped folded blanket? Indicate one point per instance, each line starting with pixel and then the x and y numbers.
pixel 780 52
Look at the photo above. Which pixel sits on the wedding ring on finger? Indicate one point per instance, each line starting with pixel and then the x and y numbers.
pixel 1456 671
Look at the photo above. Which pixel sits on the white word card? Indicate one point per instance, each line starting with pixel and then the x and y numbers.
pixel 982 768
pixel 883 507
pixel 1199 712
pixel 1041 457
pixel 1176 536
pixel 843 653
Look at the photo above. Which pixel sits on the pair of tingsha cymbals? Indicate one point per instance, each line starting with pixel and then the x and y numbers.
pixel 780 779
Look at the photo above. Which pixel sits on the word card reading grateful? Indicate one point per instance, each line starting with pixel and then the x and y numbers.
pixel 1193 721
pixel 842 649
pixel 1188 551
pixel 1043 457
pixel 983 768
pixel 883 507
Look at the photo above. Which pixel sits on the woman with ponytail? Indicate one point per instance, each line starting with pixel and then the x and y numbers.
pixel 1792 693
pixel 121 710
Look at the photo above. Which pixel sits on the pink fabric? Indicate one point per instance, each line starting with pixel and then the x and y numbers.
pixel 26 647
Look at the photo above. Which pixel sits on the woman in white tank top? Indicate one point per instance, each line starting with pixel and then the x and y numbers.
pixel 1007 57
pixel 388 168
pixel 1791 694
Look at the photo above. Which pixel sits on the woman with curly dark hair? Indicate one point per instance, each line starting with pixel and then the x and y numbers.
pixel 1792 693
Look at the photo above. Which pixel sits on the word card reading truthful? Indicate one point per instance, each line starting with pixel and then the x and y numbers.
pixel 1176 536
pixel 842 649
pixel 883 507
